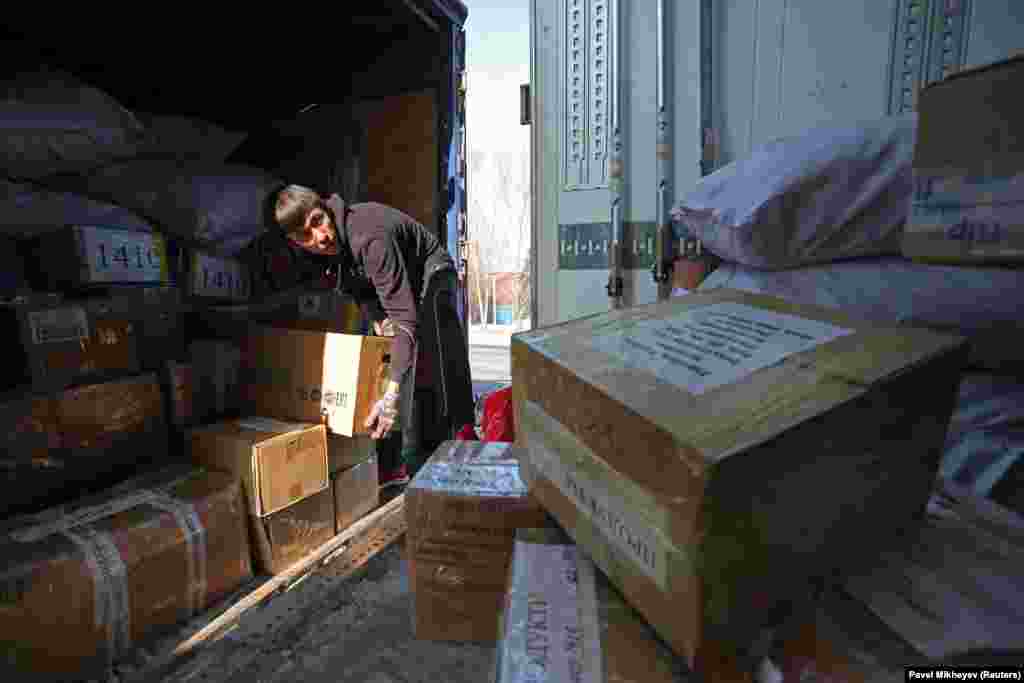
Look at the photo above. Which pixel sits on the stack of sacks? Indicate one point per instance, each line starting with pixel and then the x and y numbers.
pixel 462 511
pixel 833 218
pixel 74 155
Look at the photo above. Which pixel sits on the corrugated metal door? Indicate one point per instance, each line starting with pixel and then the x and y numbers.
pixel 783 66
pixel 571 83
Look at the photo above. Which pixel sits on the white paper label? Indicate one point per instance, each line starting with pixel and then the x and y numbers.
pixel 471 480
pixel 58 325
pixel 615 520
pixel 218 277
pixel 266 424
pixel 123 256
pixel 543 643
pixel 711 346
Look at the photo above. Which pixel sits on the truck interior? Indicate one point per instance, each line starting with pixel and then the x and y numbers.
pixel 366 99
pixel 360 97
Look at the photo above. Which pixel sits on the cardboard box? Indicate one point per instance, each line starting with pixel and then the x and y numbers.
pixel 53 347
pixel 462 510
pixel 80 256
pixel 714 451
pixel 563 619
pixel 158 316
pixel 344 452
pixel 968 203
pixel 284 537
pixel 279 463
pixel 314 376
pixel 356 493
pixel 79 441
pixel 216 373
pixel 79 585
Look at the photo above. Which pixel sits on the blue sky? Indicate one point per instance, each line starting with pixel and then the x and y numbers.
pixel 498 34
pixel 497 62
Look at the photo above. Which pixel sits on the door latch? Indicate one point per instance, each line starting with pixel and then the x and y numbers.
pixel 524 105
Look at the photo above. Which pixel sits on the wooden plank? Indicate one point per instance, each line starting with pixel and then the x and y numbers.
pixel 384 525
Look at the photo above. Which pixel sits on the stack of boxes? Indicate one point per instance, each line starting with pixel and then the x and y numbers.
pixel 137 487
pixel 714 457
pixel 462 511
pixel 285 396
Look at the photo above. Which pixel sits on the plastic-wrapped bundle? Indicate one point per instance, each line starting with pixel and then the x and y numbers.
pixel 29 210
pixel 50 122
pixel 834 192
pixel 217 206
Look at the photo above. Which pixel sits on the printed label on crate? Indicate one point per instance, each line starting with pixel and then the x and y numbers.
pixel 471 480
pixel 219 278
pixel 614 518
pixel 708 347
pixel 121 256
pixel 57 325
pixel 545 639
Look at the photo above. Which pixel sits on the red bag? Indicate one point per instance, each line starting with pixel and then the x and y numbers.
pixel 467 433
pixel 499 421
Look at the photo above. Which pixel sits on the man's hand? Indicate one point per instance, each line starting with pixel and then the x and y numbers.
pixel 384 328
pixel 382 418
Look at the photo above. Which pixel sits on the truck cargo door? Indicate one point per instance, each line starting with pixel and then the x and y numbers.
pixel 783 66
pixel 571 87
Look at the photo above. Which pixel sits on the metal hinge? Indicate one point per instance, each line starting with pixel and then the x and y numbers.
pixel 524 105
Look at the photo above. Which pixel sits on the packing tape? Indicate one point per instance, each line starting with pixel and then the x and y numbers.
pixel 195 539
pixel 112 606
pixel 591 656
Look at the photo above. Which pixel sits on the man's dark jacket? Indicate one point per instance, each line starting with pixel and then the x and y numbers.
pixel 386 259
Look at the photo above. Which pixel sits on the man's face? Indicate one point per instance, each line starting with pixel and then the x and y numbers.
pixel 319 235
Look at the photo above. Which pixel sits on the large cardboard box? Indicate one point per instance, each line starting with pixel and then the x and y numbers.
pixel 714 451
pixel 462 510
pixel 284 537
pixel 314 376
pixel 51 347
pixel 356 493
pixel 279 463
pixel 56 446
pixel 968 202
pixel 158 315
pixel 564 622
pixel 79 585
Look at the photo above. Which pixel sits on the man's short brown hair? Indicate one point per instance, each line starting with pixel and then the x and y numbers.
pixel 292 205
